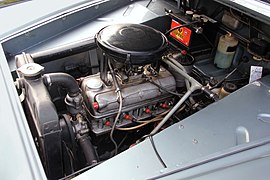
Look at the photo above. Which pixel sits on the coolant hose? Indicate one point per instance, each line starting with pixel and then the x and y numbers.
pixel 64 80
pixel 88 150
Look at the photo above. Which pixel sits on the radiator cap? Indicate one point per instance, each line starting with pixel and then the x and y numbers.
pixel 30 70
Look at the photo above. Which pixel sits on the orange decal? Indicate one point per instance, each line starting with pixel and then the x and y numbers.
pixel 183 34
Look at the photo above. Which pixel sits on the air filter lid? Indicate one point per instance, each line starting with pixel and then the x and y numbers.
pixel 136 43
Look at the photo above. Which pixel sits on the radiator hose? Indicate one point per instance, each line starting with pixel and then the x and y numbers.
pixel 74 102
pixel 74 99
pixel 88 150
pixel 64 80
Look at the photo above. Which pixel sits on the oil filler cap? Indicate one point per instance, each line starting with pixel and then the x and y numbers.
pixel 94 84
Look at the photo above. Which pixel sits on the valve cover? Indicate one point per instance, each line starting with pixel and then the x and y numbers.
pixel 138 95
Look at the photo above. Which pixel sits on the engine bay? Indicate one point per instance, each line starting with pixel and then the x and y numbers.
pixel 88 101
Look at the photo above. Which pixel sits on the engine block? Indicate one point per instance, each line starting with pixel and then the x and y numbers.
pixel 141 99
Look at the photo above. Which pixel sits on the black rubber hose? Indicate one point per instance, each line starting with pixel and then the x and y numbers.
pixel 64 80
pixel 88 150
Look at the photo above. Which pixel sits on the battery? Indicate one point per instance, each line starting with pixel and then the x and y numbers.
pixel 186 37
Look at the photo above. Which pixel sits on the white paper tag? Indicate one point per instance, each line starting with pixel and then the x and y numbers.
pixel 255 73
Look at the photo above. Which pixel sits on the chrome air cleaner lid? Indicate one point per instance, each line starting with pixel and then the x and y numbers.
pixel 134 43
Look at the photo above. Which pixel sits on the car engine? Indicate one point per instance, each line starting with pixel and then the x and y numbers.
pixel 148 78
pixel 141 98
